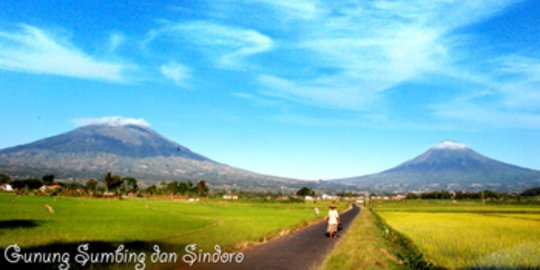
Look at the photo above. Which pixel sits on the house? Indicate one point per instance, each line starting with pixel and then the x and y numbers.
pixel 108 194
pixel 55 187
pixel 230 197
pixel 308 198
pixel 399 197
pixel 6 188
pixel 329 197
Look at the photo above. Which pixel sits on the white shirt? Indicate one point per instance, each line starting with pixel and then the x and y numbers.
pixel 333 216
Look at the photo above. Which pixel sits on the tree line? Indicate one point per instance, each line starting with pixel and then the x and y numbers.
pixel 110 184
pixel 466 195
pixel 127 185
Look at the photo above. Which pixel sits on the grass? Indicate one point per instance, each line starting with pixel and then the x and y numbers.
pixel 25 220
pixel 363 247
pixel 469 234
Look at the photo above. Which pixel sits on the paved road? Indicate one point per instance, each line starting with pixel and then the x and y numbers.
pixel 305 249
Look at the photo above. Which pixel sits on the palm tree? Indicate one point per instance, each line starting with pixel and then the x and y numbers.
pixel 108 180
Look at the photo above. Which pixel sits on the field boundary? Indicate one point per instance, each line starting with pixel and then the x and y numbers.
pixel 213 224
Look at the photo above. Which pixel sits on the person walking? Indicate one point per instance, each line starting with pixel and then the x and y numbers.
pixel 333 221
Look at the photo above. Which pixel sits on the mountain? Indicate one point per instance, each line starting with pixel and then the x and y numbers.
pixel 451 166
pixel 127 140
pixel 134 150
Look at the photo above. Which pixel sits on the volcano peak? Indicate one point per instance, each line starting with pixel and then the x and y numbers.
pixel 450 145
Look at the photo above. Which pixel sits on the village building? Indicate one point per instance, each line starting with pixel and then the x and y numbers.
pixel 230 197
pixel 6 188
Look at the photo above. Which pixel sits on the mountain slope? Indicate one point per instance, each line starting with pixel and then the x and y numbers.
pixel 448 165
pixel 129 140
pixel 125 150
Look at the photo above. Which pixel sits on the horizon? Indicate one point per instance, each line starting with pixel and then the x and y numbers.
pixel 308 90
pixel 116 121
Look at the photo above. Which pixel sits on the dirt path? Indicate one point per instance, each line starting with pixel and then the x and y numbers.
pixel 305 249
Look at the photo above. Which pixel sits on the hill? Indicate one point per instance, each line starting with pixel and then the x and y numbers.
pixel 450 166
pixel 138 151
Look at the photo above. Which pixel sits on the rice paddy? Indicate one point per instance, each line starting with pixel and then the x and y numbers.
pixel 26 220
pixel 468 234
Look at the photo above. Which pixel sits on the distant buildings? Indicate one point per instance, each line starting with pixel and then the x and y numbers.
pixel 329 197
pixel 395 197
pixel 230 197
pixel 45 188
pixel 6 188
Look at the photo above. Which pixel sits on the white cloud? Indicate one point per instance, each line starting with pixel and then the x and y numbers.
pixel 298 9
pixel 176 72
pixel 115 40
pixel 452 145
pixel 471 114
pixel 232 44
pixel 33 50
pixel 486 108
pixel 374 46
pixel 259 100
pixel 111 121
pixel 348 54
pixel 517 77
pixel 510 98
pixel 328 92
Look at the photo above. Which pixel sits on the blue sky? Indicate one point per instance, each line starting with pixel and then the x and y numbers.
pixel 305 89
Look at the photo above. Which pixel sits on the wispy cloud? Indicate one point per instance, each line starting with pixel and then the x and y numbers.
pixel 481 115
pixel 369 47
pixel 517 77
pixel 299 9
pixel 111 121
pixel 330 92
pixel 115 40
pixel 231 44
pixel 33 50
pixel 510 98
pixel 260 101
pixel 178 73
pixel 374 46
pixel 348 55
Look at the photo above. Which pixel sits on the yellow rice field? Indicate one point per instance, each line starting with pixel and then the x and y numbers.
pixel 471 239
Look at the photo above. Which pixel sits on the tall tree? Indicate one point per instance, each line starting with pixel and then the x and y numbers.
pixel 48 179
pixel 151 190
pixel 202 188
pixel 112 182
pixel 4 179
pixel 172 187
pixel 91 185
pixel 305 191
pixel 131 184
pixel 107 178
pixel 183 188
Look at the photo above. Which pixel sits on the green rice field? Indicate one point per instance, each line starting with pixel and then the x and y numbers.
pixel 26 221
